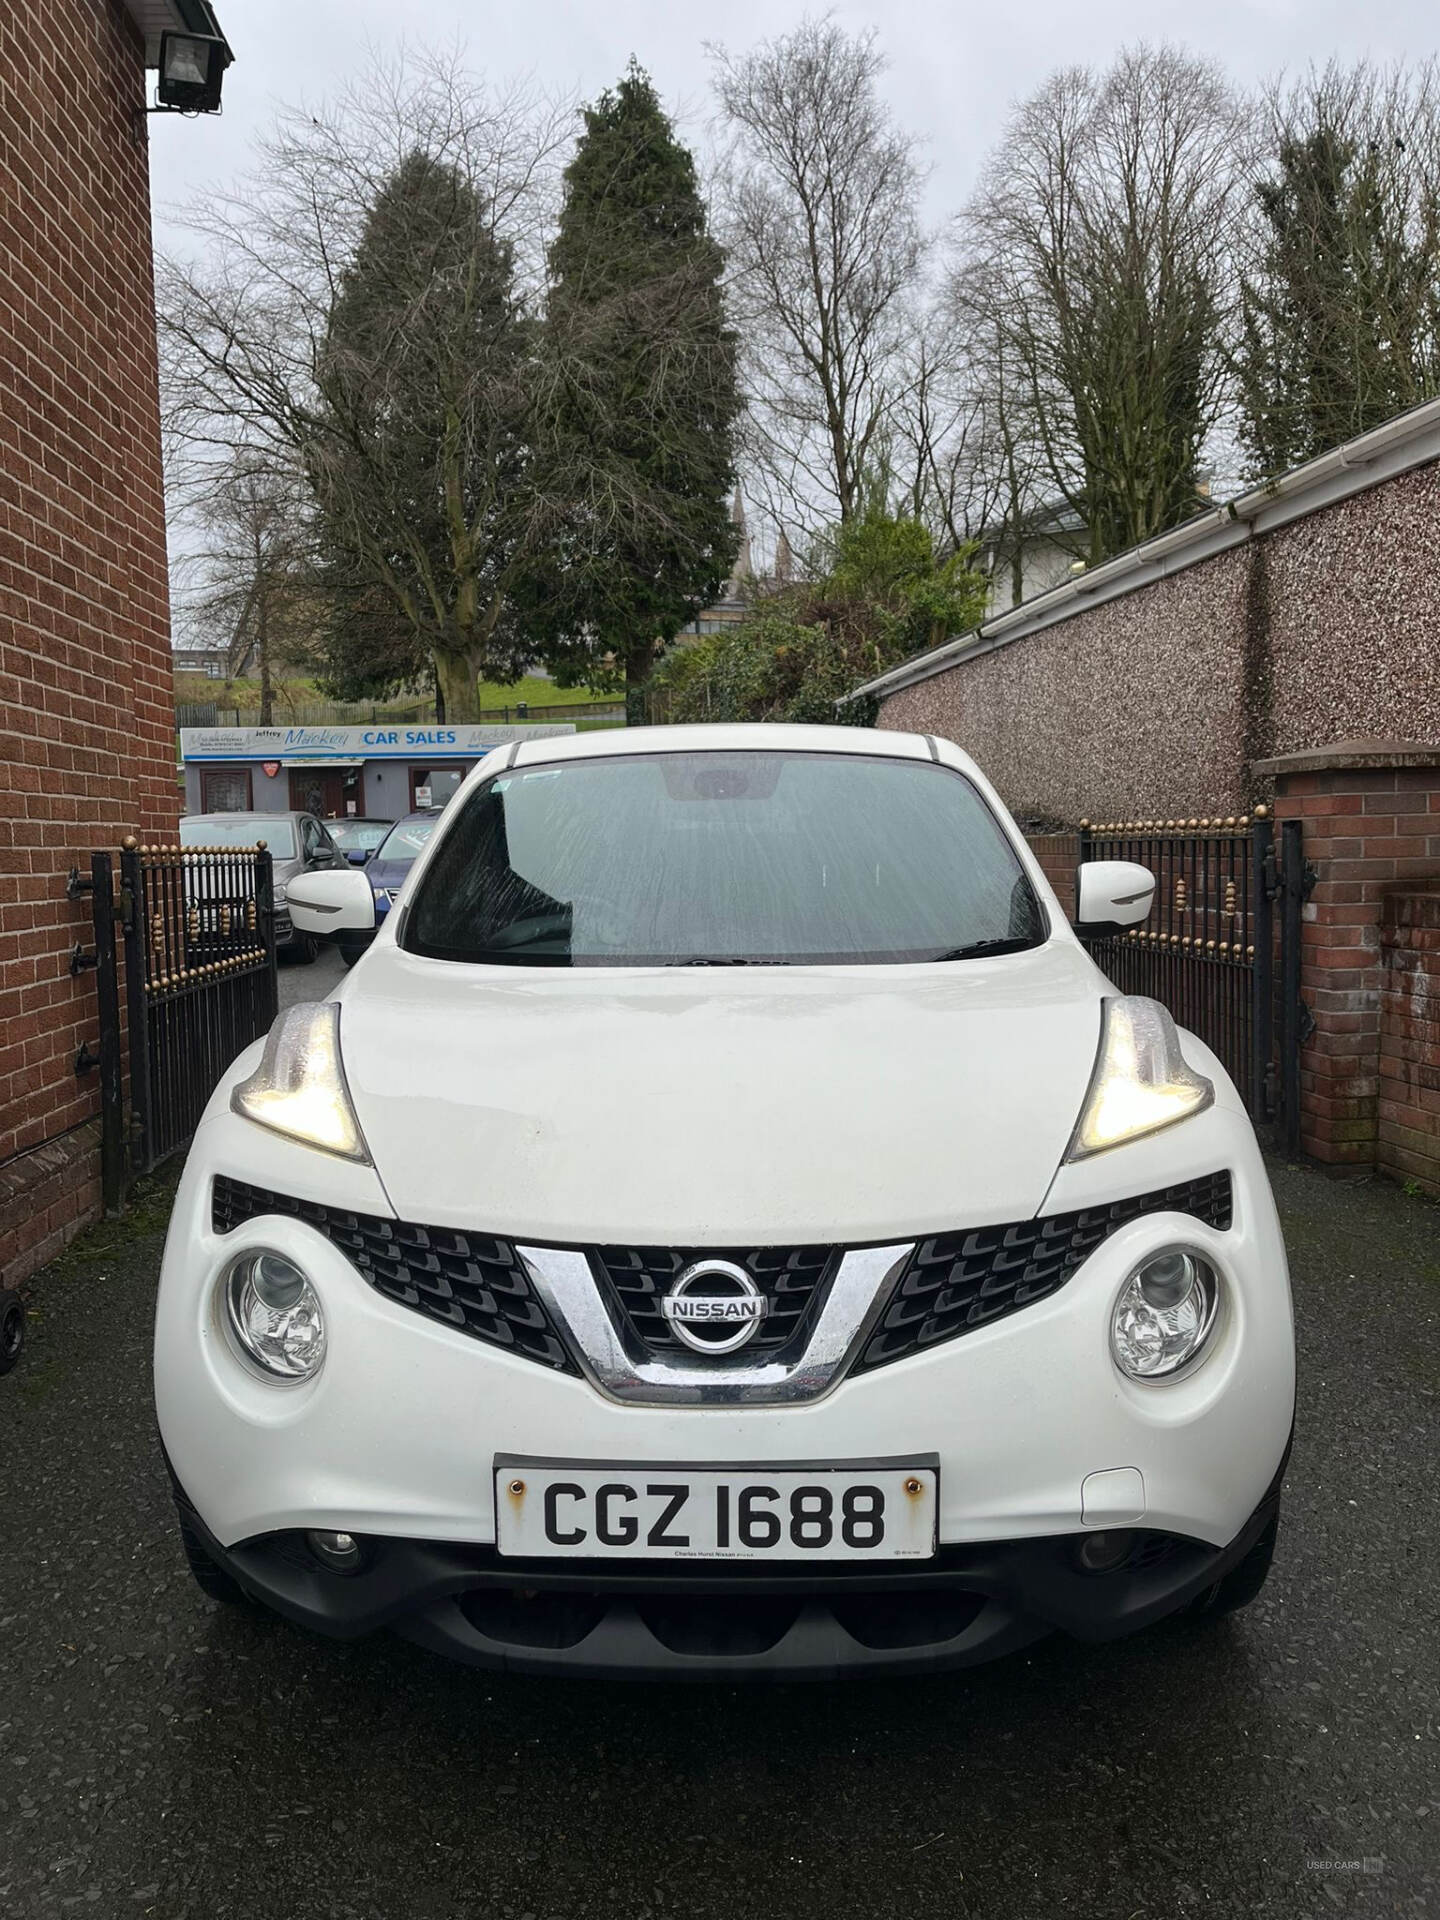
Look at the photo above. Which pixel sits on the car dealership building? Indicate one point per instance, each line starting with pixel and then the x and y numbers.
pixel 381 771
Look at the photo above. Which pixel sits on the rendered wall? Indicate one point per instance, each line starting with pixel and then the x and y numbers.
pixel 1159 702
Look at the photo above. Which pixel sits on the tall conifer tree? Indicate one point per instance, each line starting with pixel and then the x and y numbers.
pixel 418 448
pixel 637 433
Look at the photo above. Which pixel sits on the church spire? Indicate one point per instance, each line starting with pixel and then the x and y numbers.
pixel 742 569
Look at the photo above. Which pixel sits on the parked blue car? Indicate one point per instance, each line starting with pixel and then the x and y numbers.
pixel 386 870
pixel 358 837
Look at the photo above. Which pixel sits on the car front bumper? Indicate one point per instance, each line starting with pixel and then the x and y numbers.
pixel 395 1439
pixel 667 1622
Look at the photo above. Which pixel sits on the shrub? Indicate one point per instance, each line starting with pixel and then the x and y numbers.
pixel 884 596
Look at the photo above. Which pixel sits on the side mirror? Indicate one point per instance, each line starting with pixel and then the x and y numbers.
pixel 1110 894
pixel 357 856
pixel 331 902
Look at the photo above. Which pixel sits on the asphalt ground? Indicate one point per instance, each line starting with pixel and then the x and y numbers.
pixel 313 982
pixel 162 1756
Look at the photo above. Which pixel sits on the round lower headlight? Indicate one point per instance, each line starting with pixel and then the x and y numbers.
pixel 275 1314
pixel 1165 1314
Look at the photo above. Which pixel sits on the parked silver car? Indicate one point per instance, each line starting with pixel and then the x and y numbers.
pixel 298 843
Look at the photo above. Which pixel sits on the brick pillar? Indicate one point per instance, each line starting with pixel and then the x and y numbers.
pixel 1059 855
pixel 1371 810
pixel 1408 1142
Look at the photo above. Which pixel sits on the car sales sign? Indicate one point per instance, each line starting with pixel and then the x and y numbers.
pixel 382 741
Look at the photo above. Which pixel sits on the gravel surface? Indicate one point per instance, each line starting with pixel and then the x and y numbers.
pixel 161 1756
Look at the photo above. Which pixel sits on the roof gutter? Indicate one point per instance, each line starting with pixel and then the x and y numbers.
pixel 1397 446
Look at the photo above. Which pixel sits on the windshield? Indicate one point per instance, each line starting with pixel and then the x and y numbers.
pixel 243 831
pixel 404 841
pixel 358 836
pixel 724 859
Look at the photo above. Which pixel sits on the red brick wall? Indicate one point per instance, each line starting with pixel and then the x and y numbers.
pixel 1408 1134
pixel 1059 855
pixel 1371 830
pixel 84 621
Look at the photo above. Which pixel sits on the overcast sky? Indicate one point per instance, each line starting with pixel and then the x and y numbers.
pixel 954 64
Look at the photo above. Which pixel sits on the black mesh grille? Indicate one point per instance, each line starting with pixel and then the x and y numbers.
pixel 958 1281
pixel 789 1278
pixel 952 1282
pixel 469 1281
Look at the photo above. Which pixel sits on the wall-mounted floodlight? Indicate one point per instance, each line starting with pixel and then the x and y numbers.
pixel 192 67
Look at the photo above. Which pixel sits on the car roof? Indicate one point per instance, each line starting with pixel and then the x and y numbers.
pixel 252 813
pixel 767 737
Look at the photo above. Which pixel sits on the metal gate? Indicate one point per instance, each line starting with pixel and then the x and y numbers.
pixel 196 926
pixel 1221 948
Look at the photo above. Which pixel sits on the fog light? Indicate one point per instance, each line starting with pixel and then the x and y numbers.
pixel 1103 1552
pixel 339 1552
pixel 275 1315
pixel 1165 1314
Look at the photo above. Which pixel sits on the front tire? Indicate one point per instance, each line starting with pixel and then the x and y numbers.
pixel 351 948
pixel 1242 1584
pixel 304 949
pixel 12 1330
pixel 212 1579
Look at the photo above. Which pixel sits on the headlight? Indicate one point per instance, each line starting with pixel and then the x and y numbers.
pixel 275 1314
pixel 278 893
pixel 1141 1080
pixel 1165 1314
pixel 299 1087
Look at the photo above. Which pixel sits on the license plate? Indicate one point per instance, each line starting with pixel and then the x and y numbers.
pixel 549 1509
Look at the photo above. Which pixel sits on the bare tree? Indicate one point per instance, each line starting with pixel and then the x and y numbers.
pixel 1101 244
pixel 363 308
pixel 962 458
pixel 248 584
pixel 818 198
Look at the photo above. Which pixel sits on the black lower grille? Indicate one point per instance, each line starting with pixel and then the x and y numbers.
pixel 470 1281
pixel 958 1281
pixel 789 1278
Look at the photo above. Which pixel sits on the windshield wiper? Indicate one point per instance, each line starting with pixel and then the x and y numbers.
pixel 722 960
pixel 977 948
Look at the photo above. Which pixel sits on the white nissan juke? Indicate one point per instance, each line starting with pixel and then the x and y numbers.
pixel 726 1225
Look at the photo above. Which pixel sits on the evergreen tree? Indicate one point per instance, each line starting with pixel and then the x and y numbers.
pixel 418 454
pixel 638 427
pixel 1340 313
pixel 1301 359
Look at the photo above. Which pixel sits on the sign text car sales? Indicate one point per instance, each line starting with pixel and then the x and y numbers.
pixel 355 743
